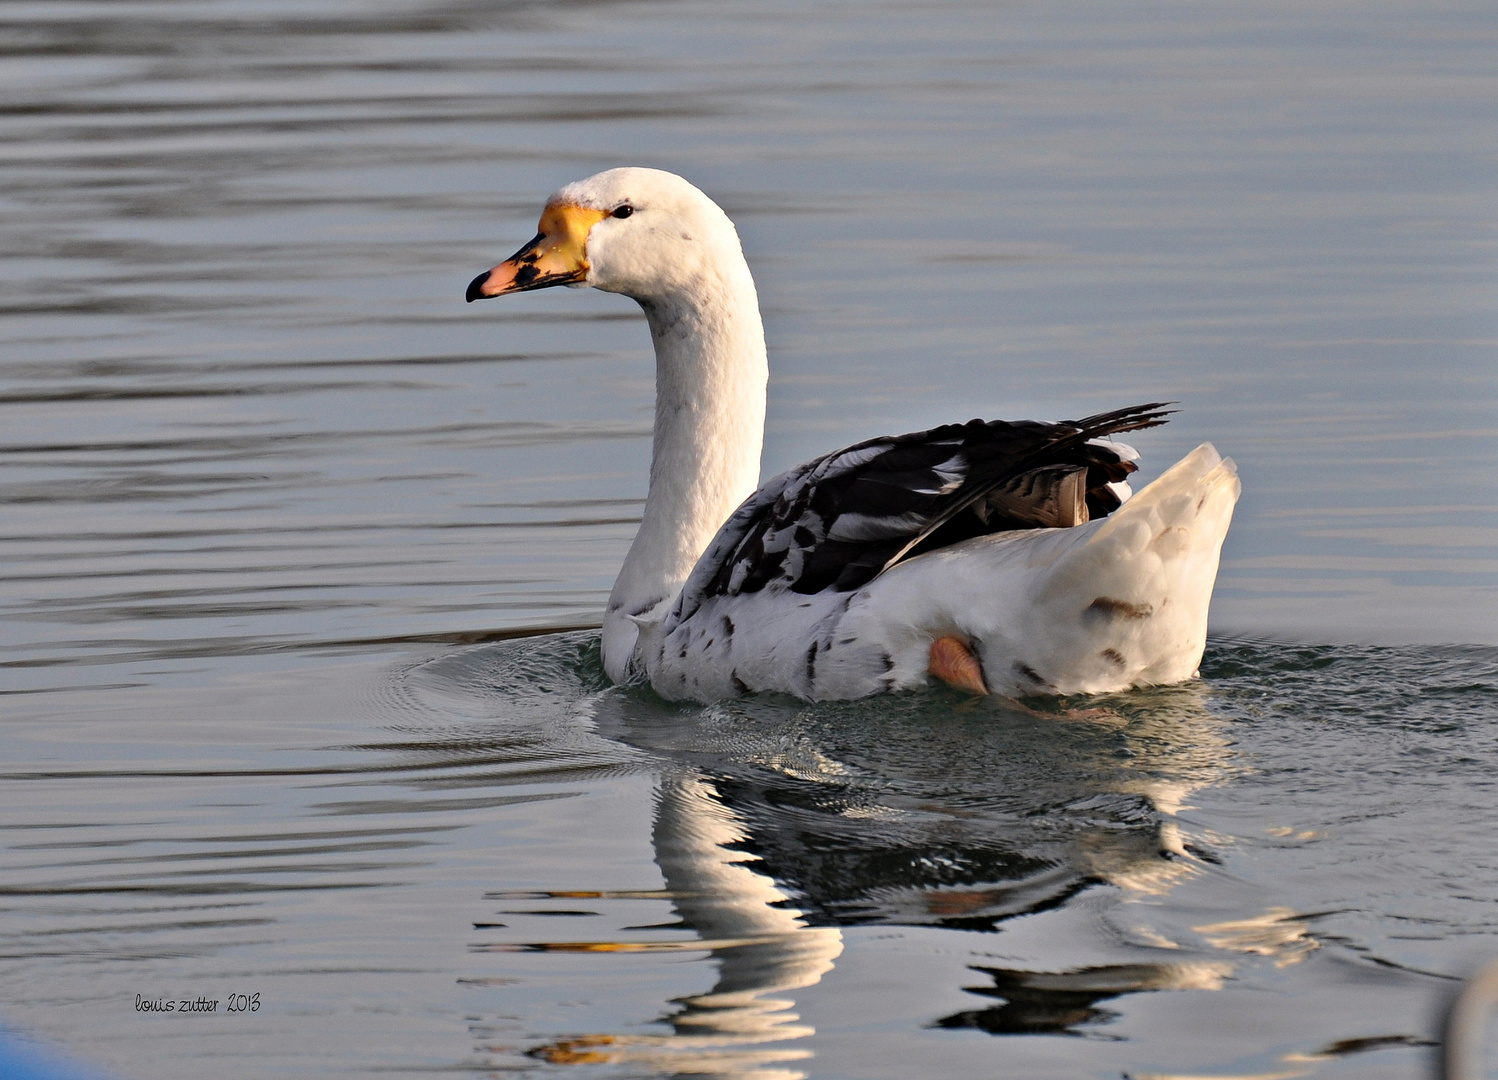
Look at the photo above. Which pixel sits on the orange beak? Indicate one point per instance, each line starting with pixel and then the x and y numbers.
pixel 557 256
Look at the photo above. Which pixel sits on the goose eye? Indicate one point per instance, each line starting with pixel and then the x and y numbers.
pixel 624 211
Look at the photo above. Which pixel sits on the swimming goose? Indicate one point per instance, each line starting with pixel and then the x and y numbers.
pixel 999 557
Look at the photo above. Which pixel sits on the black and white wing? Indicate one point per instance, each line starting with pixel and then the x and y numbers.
pixel 838 521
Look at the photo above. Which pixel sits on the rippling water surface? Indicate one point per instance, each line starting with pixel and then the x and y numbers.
pixel 277 512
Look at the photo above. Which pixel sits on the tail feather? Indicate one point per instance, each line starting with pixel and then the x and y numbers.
pixel 1132 601
pixel 1178 495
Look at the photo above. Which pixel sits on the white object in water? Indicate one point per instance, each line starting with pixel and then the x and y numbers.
pixel 1467 1025
pixel 1000 557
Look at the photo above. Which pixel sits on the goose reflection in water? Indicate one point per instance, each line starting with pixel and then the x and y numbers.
pixel 779 824
pixel 763 951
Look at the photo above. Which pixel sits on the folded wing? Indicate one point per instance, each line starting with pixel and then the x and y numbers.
pixel 838 521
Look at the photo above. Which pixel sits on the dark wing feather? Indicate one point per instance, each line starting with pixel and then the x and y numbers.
pixel 1065 447
pixel 838 521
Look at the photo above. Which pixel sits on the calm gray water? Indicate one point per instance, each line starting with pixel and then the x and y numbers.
pixel 277 510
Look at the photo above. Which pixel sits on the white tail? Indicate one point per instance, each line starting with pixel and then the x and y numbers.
pixel 1131 602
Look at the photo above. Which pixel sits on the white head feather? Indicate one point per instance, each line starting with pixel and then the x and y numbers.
pixel 675 241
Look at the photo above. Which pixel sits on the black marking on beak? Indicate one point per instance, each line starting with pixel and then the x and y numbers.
pixel 528 275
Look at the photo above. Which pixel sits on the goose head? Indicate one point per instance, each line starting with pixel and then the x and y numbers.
pixel 642 232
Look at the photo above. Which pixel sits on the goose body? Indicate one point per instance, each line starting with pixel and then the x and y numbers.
pixel 1000 557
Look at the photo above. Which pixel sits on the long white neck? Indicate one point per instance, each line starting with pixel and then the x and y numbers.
pixel 710 376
